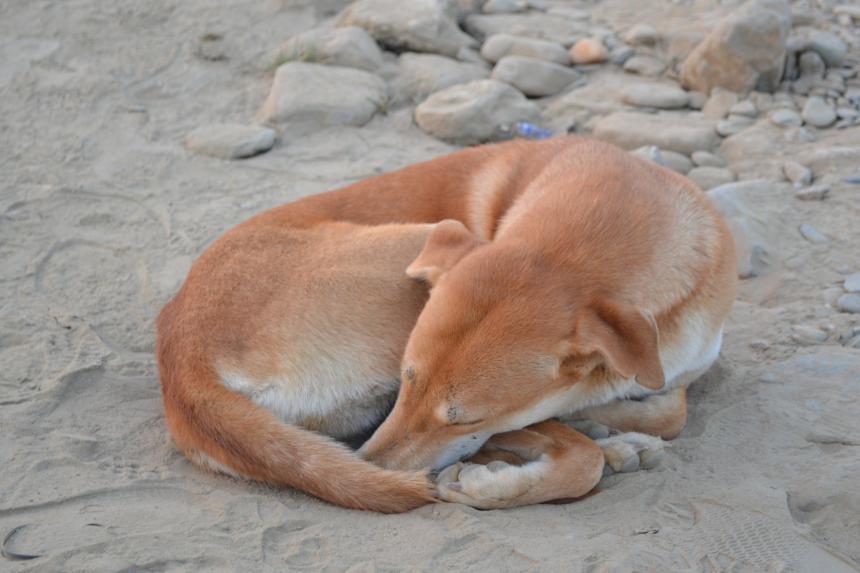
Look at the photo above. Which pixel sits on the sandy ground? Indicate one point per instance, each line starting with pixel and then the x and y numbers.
pixel 102 211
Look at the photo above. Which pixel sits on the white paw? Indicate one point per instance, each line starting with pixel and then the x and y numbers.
pixel 497 484
pixel 631 451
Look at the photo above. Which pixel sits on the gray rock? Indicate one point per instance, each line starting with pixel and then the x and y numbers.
pixel 535 78
pixel 677 161
pixel 230 141
pixel 644 65
pixel 631 130
pixel 710 177
pixel 852 283
pixel 474 112
pixel 786 118
pixel 504 6
pixel 565 31
pixel 828 45
pixel 719 103
pixel 745 108
pixel 420 75
pixel 733 125
pixel 500 45
pixel 619 55
pixel 708 159
pixel 416 25
pixel 811 65
pixel 641 35
pixel 745 51
pixel 350 47
pixel 698 100
pixel 814 193
pixel 655 95
pixel 806 334
pixel 317 94
pixel 797 173
pixel 849 303
pixel 749 230
pixel 812 234
pixel 818 112
pixel 650 153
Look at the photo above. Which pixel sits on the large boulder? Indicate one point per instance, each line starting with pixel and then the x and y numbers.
pixel 317 94
pixel 420 75
pixel 409 25
pixel 682 134
pixel 535 78
pixel 350 47
pixel 474 112
pixel 745 51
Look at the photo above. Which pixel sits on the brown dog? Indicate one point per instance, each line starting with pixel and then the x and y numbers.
pixel 570 275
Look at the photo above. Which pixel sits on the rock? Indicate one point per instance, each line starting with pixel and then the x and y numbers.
pixel 535 78
pixel 710 177
pixel 500 45
pixel 323 95
pixel 745 51
pixel 745 108
pixel 786 118
pixel 852 283
pixel 849 303
pixel 814 193
pixel 733 125
pixel 750 232
pixel 621 54
pixel 797 173
pixel 420 75
pixel 676 161
pixel 719 103
pixel 631 130
pixel 650 153
pixel 708 159
pixel 474 112
pixel 811 65
pixel 504 6
pixel 230 141
pixel 817 112
pixel 350 47
pixel 698 100
pixel 564 31
pixel 641 35
pixel 645 66
pixel 655 95
pixel 828 45
pixel 588 51
pixel 812 234
pixel 416 25
pixel 806 334
pixel 848 10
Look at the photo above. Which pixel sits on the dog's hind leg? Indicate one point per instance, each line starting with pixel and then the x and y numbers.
pixel 543 462
pixel 661 415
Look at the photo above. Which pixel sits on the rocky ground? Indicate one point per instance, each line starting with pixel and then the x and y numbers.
pixel 137 132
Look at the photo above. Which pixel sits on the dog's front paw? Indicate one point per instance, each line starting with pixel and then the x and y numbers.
pixel 631 451
pixel 495 485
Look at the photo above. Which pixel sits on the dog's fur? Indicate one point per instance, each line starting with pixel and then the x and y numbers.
pixel 565 274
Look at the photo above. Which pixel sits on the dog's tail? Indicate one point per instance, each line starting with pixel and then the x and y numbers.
pixel 225 431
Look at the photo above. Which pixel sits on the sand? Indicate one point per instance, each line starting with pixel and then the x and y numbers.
pixel 102 211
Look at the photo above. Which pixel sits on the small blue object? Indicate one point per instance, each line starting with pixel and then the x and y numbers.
pixel 853 179
pixel 531 131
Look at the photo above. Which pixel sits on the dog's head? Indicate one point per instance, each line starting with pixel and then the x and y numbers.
pixel 498 344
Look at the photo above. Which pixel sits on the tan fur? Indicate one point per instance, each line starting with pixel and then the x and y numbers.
pixel 567 268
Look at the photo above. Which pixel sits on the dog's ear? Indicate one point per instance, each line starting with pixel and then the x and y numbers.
pixel 627 339
pixel 448 242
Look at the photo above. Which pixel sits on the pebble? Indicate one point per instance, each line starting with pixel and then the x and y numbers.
pixel 733 125
pixel 645 65
pixel 750 232
pixel 797 173
pixel 745 108
pixel 474 112
pixel 314 94
pixel 655 95
pixel 708 159
pixel 786 118
pixel 621 54
pixel 641 35
pixel 650 153
pixel 849 303
pixel 852 283
pixel 588 51
pixel 230 141
pixel 818 113
pixel 532 24
pixel 504 6
pixel 811 65
pixel 710 177
pixel 349 46
pixel 814 193
pixel 535 78
pixel 677 161
pixel 807 334
pixel 500 45
pixel 812 234
pixel 632 129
